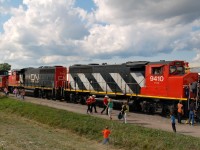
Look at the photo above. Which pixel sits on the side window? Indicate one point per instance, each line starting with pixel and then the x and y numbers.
pixel 157 70
pixel 172 69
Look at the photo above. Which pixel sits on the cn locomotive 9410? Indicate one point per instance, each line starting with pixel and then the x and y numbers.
pixel 148 86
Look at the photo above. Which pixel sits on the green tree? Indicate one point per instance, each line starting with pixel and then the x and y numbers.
pixel 5 66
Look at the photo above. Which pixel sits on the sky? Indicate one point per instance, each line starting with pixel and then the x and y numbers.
pixel 37 33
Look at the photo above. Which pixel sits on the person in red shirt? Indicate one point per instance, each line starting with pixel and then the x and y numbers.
pixel 93 104
pixel 106 133
pixel 105 105
pixel 89 102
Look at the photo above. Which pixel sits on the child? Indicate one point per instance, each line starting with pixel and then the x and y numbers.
pixel 106 132
pixel 173 121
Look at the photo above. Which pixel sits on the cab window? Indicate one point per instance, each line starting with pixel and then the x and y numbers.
pixel 157 70
pixel 176 70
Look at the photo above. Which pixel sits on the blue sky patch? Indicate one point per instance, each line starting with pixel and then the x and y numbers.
pixel 195 28
pixel 87 5
pixel 8 4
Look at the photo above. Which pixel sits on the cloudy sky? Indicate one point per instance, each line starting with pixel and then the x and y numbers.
pixel 65 32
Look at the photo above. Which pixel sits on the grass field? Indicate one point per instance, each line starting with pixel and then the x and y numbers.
pixel 18 133
pixel 50 120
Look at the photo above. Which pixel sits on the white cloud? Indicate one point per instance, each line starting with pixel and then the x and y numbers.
pixel 55 31
pixel 44 28
pixel 58 59
pixel 2 1
pixel 146 10
pixel 154 26
pixel 105 39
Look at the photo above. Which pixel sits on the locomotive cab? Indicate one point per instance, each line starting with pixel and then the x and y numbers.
pixel 14 79
pixel 167 79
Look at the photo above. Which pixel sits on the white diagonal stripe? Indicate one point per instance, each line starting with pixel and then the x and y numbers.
pixel 85 81
pixel 71 81
pixel 102 83
pixel 139 78
pixel 121 83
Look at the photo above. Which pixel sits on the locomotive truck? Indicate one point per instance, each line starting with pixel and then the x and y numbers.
pixel 148 86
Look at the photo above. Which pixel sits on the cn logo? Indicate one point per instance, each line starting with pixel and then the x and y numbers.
pixel 34 78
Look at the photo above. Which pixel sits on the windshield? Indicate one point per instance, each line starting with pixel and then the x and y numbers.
pixel 176 70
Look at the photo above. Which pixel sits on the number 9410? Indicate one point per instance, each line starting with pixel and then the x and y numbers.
pixel 157 78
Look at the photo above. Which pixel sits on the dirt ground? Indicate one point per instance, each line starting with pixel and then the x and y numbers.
pixel 149 121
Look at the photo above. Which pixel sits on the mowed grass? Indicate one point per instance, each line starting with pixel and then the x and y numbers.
pixel 18 133
pixel 124 136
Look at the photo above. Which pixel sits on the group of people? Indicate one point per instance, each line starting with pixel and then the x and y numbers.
pixel 19 92
pixel 180 113
pixel 91 103
pixel 107 107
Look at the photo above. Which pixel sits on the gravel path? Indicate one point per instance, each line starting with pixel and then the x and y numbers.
pixel 149 121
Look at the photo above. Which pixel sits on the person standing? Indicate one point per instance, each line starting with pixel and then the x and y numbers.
pixel 15 91
pixel 191 113
pixel 125 110
pixel 173 121
pixel 88 102
pixel 110 108
pixel 6 91
pixel 180 111
pixel 194 89
pixel 187 91
pixel 106 133
pixel 22 93
pixel 93 104
pixel 105 105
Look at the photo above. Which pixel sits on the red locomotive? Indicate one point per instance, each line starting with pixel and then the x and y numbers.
pixel 3 79
pixel 147 85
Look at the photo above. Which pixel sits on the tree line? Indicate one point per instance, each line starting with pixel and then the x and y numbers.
pixel 5 66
